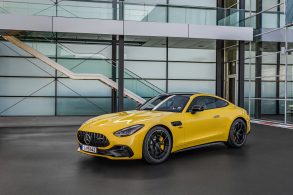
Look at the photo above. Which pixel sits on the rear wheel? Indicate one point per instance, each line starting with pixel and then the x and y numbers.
pixel 237 134
pixel 157 145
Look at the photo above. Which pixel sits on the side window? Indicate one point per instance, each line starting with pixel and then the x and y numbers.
pixel 220 103
pixel 205 101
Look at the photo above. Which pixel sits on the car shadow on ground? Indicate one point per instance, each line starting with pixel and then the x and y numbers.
pixel 138 169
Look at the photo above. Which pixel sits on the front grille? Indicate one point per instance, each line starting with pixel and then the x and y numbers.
pixel 92 139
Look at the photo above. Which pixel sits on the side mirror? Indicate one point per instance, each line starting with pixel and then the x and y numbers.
pixel 196 108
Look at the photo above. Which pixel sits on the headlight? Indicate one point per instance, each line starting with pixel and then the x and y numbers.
pixel 128 130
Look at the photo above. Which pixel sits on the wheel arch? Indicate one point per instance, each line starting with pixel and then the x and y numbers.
pixel 167 128
pixel 231 123
pixel 241 118
pixel 162 126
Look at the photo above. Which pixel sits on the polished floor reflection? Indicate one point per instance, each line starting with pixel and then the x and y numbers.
pixel 45 161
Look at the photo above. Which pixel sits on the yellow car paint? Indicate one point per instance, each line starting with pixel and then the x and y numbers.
pixel 200 128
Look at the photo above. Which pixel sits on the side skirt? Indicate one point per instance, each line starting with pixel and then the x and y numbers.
pixel 200 146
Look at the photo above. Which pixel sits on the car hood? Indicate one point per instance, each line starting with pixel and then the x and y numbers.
pixel 120 120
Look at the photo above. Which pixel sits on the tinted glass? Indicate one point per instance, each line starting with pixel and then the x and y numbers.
pixel 220 103
pixel 152 103
pixel 207 102
pixel 174 103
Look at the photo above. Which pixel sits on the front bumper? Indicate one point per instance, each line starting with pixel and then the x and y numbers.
pixel 129 147
pixel 118 151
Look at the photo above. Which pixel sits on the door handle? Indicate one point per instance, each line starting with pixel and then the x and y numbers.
pixel 217 116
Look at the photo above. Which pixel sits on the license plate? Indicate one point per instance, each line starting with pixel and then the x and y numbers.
pixel 89 149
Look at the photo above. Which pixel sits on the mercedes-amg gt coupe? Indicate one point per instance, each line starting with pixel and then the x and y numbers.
pixel 163 125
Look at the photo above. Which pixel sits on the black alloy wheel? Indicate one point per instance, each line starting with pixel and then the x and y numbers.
pixel 238 134
pixel 157 145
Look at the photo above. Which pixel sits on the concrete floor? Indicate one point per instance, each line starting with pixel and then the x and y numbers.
pixel 43 160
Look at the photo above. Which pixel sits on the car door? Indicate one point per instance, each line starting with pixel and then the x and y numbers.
pixel 204 126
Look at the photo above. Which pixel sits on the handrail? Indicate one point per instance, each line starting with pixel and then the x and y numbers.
pixel 153 87
pixel 106 59
pixel 69 73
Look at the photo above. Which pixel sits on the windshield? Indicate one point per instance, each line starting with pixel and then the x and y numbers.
pixel 153 102
pixel 175 103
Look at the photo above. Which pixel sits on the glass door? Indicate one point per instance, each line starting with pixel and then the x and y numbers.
pixel 231 71
pixel 231 83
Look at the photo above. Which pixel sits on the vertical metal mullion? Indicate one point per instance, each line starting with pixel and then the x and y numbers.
pixel 250 65
pixel 220 55
pixel 114 72
pixel 286 65
pixel 121 74
pixel 167 51
pixel 241 56
pixel 56 72
pixel 241 69
pixel 278 68
pixel 258 62
pixel 167 64
pixel 121 63
pixel 114 60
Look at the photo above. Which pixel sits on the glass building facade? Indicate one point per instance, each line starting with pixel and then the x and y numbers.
pixel 253 74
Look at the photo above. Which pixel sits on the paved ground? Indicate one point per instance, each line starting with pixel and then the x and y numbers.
pixel 51 121
pixel 45 161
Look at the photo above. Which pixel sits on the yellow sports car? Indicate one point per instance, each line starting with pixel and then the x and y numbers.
pixel 164 124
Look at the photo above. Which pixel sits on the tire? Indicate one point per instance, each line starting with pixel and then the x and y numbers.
pixel 238 134
pixel 157 145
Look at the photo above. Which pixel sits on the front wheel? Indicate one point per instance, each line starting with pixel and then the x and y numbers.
pixel 237 134
pixel 157 145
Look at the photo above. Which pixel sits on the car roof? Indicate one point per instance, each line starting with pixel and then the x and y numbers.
pixel 182 93
pixel 193 94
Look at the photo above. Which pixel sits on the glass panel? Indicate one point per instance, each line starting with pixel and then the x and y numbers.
pixel 140 88
pixel 205 3
pixel 10 66
pixel 139 53
pixel 187 11
pixel 179 70
pixel 84 9
pixel 147 69
pixel 83 106
pixel 198 16
pixel 68 87
pixel 145 13
pixel 268 89
pixel 48 49
pixel 33 7
pixel 268 4
pixel 85 51
pixel 270 109
pixel 289 111
pixel 232 90
pixel 27 86
pixel 249 73
pixel 161 84
pixel 27 107
pixel 247 86
pixel 8 49
pixel 129 104
pixel 192 86
pixel 229 17
pixel 269 20
pixel 195 55
pixel 87 66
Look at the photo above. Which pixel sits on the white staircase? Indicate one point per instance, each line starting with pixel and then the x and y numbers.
pixel 69 73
